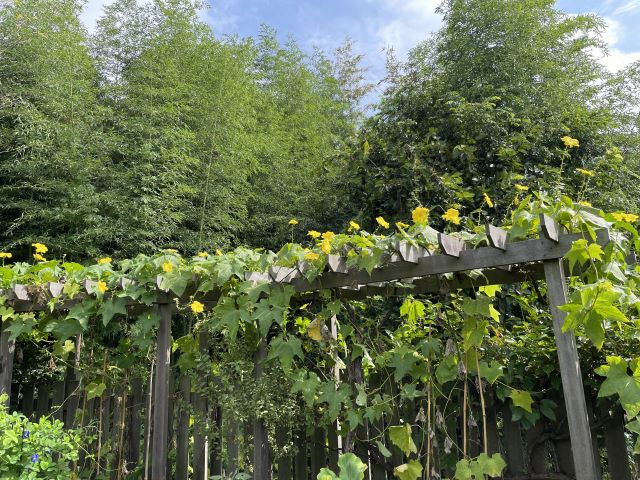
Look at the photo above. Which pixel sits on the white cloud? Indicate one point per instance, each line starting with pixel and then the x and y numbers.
pixel 628 7
pixel 616 59
pixel 411 21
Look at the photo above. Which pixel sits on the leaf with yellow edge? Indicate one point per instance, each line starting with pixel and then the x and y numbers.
pixel 522 399
pixel 401 437
pixel 408 471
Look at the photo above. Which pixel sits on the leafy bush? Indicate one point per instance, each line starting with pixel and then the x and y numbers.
pixel 27 448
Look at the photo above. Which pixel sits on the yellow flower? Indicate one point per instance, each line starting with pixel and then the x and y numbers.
pixel 402 225
pixel 167 267
pixel 39 257
pixel 197 307
pixel 382 222
pixel 353 226
pixel 5 255
pixel 487 199
pixel 203 254
pixel 103 260
pixel 420 215
pixel 452 215
pixel 171 250
pixel 325 246
pixel 311 256
pixel 586 173
pixel 570 142
pixel 218 252
pixel 40 247
pixel 585 204
pixel 521 188
pixel 314 234
pixel 293 221
pixel 328 236
pixel 625 217
pixel 102 287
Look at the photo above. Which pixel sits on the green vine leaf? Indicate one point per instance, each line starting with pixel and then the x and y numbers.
pixel 401 437
pixel 522 399
pixel 408 471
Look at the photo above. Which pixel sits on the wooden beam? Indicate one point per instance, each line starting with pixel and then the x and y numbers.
pixel 161 394
pixel 581 446
pixel 451 246
pixel 496 237
pixel 550 228
pixel 528 251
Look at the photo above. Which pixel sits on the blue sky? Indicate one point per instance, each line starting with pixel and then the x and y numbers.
pixel 377 24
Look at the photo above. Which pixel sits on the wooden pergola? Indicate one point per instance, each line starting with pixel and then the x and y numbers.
pixel 501 262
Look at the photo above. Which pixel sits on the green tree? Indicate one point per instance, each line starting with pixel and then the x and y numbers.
pixel 51 165
pixel 482 105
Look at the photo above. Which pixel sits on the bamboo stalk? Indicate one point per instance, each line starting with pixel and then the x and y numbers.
pixel 484 410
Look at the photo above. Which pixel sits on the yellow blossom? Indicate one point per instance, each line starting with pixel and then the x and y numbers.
pixel 40 247
pixel 218 252
pixel 521 188
pixel 353 226
pixel 293 221
pixel 171 250
pixel 586 173
pixel 625 217
pixel 328 236
pixel 487 199
pixel 197 307
pixel 402 225
pixel 103 260
pixel 102 287
pixel 39 257
pixel 420 215
pixel 314 234
pixel 167 267
pixel 325 246
pixel 585 204
pixel 311 256
pixel 382 222
pixel 570 142
pixel 452 215
pixel 203 254
pixel 5 255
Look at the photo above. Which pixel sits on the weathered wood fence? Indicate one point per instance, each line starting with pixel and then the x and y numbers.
pixel 147 418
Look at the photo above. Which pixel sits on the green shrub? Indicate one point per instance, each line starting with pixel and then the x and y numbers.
pixel 27 449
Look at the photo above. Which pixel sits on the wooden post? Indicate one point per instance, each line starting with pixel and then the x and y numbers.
pixel 581 445
pixel 261 460
pixel 161 395
pixel 7 348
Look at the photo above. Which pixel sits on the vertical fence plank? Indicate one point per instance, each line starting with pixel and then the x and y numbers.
pixel 161 395
pixel 318 451
pixel 135 424
pixel 7 348
pixel 27 400
pixel 215 445
pixel 232 445
pixel 301 460
pixel 199 401
pixel 42 403
pixel 58 400
pixel 170 417
pixel 284 461
pixel 512 443
pixel 182 434
pixel 616 444
pixel 581 445
pixel 261 460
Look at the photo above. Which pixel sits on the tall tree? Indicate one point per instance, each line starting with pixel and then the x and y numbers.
pixel 51 166
pixel 482 105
